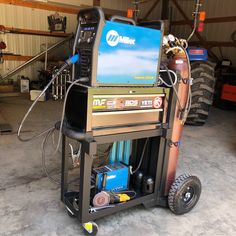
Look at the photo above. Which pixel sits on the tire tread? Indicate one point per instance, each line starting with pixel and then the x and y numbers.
pixel 202 92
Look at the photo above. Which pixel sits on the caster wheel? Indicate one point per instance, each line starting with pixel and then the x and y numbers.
pixel 70 213
pixel 90 228
pixel 184 194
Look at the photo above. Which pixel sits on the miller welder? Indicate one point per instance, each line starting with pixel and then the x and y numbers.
pixel 115 99
pixel 114 54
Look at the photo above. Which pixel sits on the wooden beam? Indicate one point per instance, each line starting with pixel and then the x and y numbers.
pixel 44 6
pixel 111 12
pixel 213 44
pixel 202 40
pixel 58 7
pixel 96 2
pixel 165 9
pixel 34 32
pixel 207 21
pixel 151 9
pixel 16 58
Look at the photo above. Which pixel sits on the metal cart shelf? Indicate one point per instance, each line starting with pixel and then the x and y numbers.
pixel 88 152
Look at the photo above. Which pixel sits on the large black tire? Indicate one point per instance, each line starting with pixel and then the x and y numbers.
pixel 184 194
pixel 202 92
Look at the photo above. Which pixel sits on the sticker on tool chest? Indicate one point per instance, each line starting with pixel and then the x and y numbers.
pixel 127 102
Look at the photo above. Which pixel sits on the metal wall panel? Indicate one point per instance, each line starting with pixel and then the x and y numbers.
pixel 27 18
pixel 214 31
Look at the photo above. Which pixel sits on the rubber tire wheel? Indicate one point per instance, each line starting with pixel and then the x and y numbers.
pixel 184 184
pixel 203 74
pixel 94 230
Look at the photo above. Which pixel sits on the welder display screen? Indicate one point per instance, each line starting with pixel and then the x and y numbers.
pixel 128 54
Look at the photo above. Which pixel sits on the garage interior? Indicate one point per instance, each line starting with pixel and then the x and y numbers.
pixel 30 204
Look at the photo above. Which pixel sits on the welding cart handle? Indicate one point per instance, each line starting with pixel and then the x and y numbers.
pixel 72 132
pixel 123 19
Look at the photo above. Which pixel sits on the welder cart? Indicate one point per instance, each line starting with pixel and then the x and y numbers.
pixel 123 119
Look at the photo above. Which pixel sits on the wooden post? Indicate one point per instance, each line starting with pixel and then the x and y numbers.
pixel 151 9
pixel 96 3
pixel 165 9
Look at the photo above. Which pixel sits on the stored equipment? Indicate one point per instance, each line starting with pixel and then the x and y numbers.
pixel 57 23
pixel 104 198
pixel 112 177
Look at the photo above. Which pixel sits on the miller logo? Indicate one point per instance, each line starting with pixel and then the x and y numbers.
pixel 113 38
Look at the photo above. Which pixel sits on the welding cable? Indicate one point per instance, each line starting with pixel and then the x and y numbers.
pixel 50 132
pixel 141 159
pixel 63 110
pixel 189 101
pixel 196 13
pixel 184 43
pixel 175 76
pixel 44 167
pixel 187 108
pixel 68 62
pixel 173 86
pixel 174 48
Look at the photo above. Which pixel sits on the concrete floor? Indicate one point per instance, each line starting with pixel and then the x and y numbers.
pixel 30 204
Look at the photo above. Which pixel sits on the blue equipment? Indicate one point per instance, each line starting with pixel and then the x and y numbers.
pixel 113 177
pixel 117 54
pixel 120 152
pixel 128 55
pixel 197 54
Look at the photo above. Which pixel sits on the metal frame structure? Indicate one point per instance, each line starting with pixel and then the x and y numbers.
pixel 159 152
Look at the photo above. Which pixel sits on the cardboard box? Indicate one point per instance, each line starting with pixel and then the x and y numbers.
pixel 35 93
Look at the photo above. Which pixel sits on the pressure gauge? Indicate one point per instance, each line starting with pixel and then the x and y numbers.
pixel 165 40
pixel 171 38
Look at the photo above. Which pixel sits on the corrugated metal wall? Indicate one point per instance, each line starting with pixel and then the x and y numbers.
pixel 27 18
pixel 23 17
pixel 213 31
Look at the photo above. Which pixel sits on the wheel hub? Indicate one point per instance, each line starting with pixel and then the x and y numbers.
pixel 188 195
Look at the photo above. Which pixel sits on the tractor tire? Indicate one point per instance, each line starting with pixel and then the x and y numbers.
pixel 202 92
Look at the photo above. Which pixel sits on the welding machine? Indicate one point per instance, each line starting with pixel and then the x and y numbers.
pixel 113 56
pixel 114 177
pixel 116 52
pixel 115 98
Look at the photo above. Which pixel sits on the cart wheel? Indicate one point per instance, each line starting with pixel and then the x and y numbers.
pixel 90 228
pixel 184 194
pixel 70 213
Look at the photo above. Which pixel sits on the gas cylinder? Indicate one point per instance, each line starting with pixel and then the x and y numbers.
pixel 179 63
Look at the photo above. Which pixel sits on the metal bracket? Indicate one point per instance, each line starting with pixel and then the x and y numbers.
pixel 166 131
pixel 187 81
pixel 175 144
